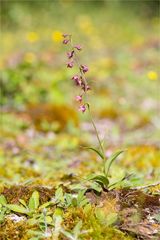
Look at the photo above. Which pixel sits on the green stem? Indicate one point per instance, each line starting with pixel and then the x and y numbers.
pixel 97 135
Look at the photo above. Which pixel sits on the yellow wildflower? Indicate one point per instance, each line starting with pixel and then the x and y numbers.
pixel 57 36
pixel 32 37
pixel 152 75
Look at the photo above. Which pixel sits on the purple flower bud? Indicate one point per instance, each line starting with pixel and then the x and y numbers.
pixel 79 98
pixel 70 54
pixel 77 80
pixel 82 108
pixel 84 68
pixel 65 41
pixel 78 47
pixel 70 64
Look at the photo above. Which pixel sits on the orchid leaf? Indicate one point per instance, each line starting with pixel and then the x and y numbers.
pixel 110 160
pixel 96 151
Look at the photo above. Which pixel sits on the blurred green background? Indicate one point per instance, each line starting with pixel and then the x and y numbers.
pixel 120 46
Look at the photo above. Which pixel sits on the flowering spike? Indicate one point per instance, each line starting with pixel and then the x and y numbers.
pixel 82 82
pixel 78 79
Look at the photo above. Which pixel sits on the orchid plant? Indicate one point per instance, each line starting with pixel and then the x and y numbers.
pixel 80 81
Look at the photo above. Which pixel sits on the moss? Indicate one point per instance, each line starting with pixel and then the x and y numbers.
pixel 143 157
pixel 14 193
pixel 11 230
pixel 97 231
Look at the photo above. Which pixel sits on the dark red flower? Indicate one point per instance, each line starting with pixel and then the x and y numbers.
pixel 78 47
pixel 70 64
pixel 77 80
pixel 82 108
pixel 65 41
pixel 84 68
pixel 79 98
pixel 70 54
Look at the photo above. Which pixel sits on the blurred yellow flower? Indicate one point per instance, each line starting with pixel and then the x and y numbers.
pixel 57 36
pixel 32 37
pixel 85 24
pixel 152 75
pixel 30 57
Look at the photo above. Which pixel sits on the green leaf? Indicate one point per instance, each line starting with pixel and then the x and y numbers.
pixel 95 150
pixel 59 194
pixel 84 202
pixel 81 198
pixel 3 200
pixel 23 202
pixel 96 187
pixel 45 205
pixel 110 160
pixel 34 201
pixel 68 199
pixel 17 208
pixel 106 219
pixel 49 219
pixel 81 195
pixel 57 212
pixel 101 179
pixel 119 181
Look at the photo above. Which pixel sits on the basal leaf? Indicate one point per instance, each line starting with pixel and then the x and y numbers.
pixel 45 205
pixel 23 202
pixel 34 201
pixel 110 160
pixel 59 194
pixel 99 179
pixel 3 200
pixel 17 208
